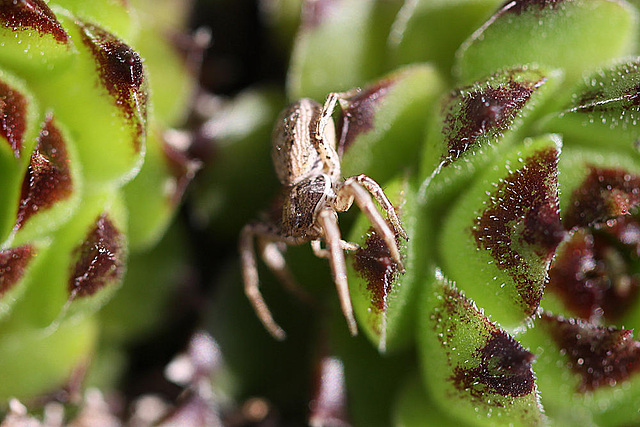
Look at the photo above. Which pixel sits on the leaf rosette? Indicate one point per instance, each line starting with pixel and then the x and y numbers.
pixel 85 173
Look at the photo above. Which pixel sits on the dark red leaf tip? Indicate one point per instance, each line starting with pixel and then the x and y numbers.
pixel 100 259
pixel 358 116
pixel 504 369
pixel 121 73
pixel 13 263
pixel 48 178
pixel 605 193
pixel 601 356
pixel 13 117
pixel 27 15
pixel 472 114
pixel 632 96
pixel 593 271
pixel 521 227
pixel 374 263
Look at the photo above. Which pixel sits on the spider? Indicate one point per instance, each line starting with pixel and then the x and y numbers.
pixel 307 164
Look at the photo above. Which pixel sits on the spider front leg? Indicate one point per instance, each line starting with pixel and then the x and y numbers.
pixel 325 137
pixel 382 199
pixel 360 188
pixel 250 277
pixel 329 223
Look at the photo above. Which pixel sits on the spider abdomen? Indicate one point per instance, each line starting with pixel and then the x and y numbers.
pixel 294 154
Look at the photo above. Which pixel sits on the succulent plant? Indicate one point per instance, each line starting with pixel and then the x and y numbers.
pixel 506 134
pixel 87 90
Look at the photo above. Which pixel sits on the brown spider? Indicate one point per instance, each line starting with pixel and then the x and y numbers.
pixel 307 164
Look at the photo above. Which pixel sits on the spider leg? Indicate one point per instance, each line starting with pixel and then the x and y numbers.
pixel 325 140
pixel 330 105
pixel 382 199
pixel 321 252
pixel 329 224
pixel 250 278
pixel 353 189
pixel 273 256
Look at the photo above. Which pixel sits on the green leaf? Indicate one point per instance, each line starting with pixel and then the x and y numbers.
pixel 52 185
pixel 348 34
pixel 475 124
pixel 382 297
pixel 85 268
pixel 34 41
pixel 116 16
pixel 500 237
pixel 19 130
pixel 416 408
pixel 101 90
pixel 432 30
pixel 472 364
pixel 34 360
pixel 573 35
pixel 383 125
pixel 604 111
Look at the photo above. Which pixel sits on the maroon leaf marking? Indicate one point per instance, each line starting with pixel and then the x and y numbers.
pixel 504 366
pixel 522 215
pixel 592 272
pixel 13 116
pixel 48 179
pixel 373 262
pixel 605 193
pixel 100 259
pixel 633 96
pixel 520 6
pixel 28 15
pixel 505 369
pixel 602 356
pixel 359 114
pixel 472 114
pixel 122 74
pixel 13 263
